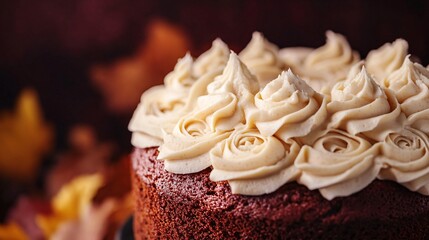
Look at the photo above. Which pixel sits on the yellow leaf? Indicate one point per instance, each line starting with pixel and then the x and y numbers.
pixel 74 196
pixel 70 202
pixel 24 138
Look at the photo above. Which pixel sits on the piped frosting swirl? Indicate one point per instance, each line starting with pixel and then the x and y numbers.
pixel 325 66
pixel 338 164
pixel 410 84
pixel 185 150
pixel 287 107
pixel 360 105
pixel 213 59
pixel 405 159
pixel 161 106
pixel 262 58
pixel 386 59
pixel 253 164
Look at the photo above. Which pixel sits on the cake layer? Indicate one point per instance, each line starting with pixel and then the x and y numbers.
pixel 190 206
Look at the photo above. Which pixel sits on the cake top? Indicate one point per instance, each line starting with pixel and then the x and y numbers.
pixel 321 117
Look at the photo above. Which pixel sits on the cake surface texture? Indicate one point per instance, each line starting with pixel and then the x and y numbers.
pixel 190 206
pixel 293 143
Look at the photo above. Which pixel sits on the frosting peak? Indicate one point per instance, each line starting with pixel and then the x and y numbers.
pixel 410 84
pixel 360 105
pixel 237 79
pixel 292 85
pixel 325 66
pixel 388 58
pixel 215 115
pixel 360 86
pixel 288 107
pixel 334 54
pixel 262 58
pixel 213 59
pixel 181 76
pixel 403 81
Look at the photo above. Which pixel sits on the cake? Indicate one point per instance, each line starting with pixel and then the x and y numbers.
pixel 296 143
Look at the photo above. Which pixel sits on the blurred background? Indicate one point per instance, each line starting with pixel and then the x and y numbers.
pixel 72 72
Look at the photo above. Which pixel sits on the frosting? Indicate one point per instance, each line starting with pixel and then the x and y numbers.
pixel 262 58
pixel 338 164
pixel 288 107
pixel 161 106
pixel 185 150
pixel 158 107
pixel 260 132
pixel 359 105
pixel 325 66
pixel 214 59
pixel 294 56
pixel 181 77
pixel 253 164
pixel 405 159
pixel 388 58
pixel 410 83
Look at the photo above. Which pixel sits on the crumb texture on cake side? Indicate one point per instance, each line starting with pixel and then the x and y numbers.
pixel 191 206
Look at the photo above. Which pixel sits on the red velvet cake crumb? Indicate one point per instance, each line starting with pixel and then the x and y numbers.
pixel 190 206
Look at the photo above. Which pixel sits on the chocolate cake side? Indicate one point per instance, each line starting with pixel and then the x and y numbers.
pixel 191 206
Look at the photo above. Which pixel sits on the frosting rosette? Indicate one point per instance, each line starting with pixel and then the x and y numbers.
pixel 261 57
pixel 161 106
pixel 253 164
pixel 405 159
pixel 386 59
pixel 338 164
pixel 325 66
pixel 410 84
pixel 215 115
pixel 360 105
pixel 288 107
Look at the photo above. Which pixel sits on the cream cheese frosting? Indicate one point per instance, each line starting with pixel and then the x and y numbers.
pixel 360 105
pixel 186 149
pixel 253 164
pixel 386 59
pixel 325 66
pixel 262 58
pixel 161 106
pixel 338 164
pixel 287 107
pixel 405 159
pixel 410 84
pixel 214 59
pixel 334 128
